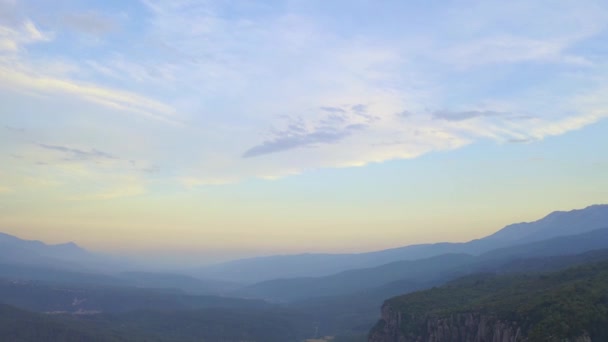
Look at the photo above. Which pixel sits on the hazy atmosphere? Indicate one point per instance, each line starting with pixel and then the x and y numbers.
pixel 224 129
pixel 303 171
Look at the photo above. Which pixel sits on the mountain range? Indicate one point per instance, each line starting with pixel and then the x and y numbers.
pixel 429 270
pixel 309 295
pixel 253 270
pixel 559 223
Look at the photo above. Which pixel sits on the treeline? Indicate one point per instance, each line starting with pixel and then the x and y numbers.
pixel 547 307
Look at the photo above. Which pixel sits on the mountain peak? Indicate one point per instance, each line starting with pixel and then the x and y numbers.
pixel 557 223
pixel 33 251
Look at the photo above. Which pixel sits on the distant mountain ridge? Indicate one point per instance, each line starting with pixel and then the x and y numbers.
pixel 70 256
pixel 433 270
pixel 555 224
pixel 16 250
pixel 343 302
pixel 63 256
pixel 68 263
pixel 558 223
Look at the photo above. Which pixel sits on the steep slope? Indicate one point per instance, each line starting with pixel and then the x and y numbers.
pixel 314 265
pixel 567 305
pixel 356 313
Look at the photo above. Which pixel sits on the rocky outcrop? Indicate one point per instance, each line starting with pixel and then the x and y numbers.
pixel 461 327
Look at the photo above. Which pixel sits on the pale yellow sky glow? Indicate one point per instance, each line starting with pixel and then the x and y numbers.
pixel 220 130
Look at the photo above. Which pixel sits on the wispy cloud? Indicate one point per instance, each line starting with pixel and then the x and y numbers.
pixel 12 39
pixel 520 140
pixel 294 139
pixel 332 109
pixel 117 99
pixel 512 49
pixel 355 94
pixel 77 154
pixel 464 115
pixel 14 129
pixel 404 114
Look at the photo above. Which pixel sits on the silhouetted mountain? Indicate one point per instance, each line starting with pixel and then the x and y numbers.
pixel 315 265
pixel 15 250
pixel 557 223
pixel 563 245
pixel 62 251
pixel 424 271
pixel 69 256
pixel 356 280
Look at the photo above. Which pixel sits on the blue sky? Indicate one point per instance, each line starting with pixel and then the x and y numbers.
pixel 226 128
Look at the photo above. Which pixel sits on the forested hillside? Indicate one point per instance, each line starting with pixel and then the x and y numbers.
pixel 559 306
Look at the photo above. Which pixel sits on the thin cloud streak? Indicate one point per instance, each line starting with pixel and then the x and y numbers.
pixel 292 141
pixel 77 154
pixel 356 95
pixel 122 100
pixel 463 115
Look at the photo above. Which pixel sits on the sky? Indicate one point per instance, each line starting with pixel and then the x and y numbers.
pixel 223 129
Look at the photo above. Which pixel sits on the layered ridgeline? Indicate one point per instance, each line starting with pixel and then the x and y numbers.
pixel 355 313
pixel 80 290
pixel 70 257
pixel 69 263
pixel 19 251
pixel 131 314
pixel 569 305
pixel 402 276
pixel 559 223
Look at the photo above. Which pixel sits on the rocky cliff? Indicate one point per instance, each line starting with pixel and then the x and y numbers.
pixel 567 305
pixel 462 327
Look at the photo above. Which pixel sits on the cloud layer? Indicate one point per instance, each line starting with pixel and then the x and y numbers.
pixel 214 92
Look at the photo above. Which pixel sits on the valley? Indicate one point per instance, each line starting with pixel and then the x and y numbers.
pixel 127 305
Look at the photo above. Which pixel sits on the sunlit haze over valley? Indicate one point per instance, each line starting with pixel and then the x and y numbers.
pixel 241 142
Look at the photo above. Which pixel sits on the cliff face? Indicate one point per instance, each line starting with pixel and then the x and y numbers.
pixel 464 327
